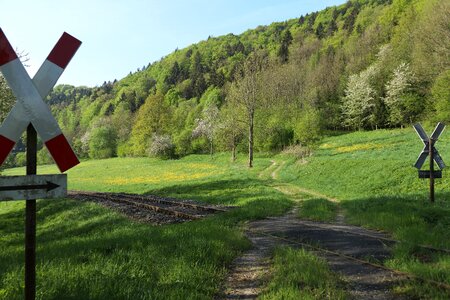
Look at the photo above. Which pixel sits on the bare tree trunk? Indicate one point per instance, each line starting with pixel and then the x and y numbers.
pixel 233 153
pixel 250 140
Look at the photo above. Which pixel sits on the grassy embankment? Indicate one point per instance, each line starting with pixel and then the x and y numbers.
pixel 370 177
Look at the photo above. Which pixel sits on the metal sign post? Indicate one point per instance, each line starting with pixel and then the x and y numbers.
pixel 30 113
pixel 30 219
pixel 430 150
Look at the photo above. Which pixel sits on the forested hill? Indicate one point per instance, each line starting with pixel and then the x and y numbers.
pixel 365 64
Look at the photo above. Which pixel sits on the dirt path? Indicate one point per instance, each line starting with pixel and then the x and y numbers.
pixel 249 270
pixel 364 281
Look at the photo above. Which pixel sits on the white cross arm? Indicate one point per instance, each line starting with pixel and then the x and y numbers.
pixel 426 141
pixel 420 132
pixel 437 131
pixel 29 93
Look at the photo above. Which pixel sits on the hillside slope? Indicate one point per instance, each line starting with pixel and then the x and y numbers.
pixel 364 64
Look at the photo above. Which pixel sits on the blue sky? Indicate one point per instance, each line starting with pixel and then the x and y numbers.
pixel 120 36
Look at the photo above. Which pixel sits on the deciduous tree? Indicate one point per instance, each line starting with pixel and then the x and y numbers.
pixel 152 118
pixel 244 94
pixel 359 100
pixel 207 125
pixel 396 88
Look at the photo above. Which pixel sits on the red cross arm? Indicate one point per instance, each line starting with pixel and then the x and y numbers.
pixel 31 108
pixel 7 53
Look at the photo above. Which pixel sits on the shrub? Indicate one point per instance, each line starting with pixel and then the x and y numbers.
pixel 21 159
pixel 43 157
pixel 161 146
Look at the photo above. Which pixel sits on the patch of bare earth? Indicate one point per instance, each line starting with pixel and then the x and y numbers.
pixel 249 270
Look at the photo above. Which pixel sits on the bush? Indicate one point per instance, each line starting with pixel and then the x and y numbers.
pixel 161 146
pixel 9 162
pixel 124 150
pixel 183 142
pixel 21 159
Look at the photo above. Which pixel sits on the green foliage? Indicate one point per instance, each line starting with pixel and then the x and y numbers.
pixel 283 51
pixel 152 118
pixel 212 96
pixel 102 142
pixel 307 128
pixel 6 99
pixel 44 157
pixel 441 97
pixel 20 159
pixel 328 60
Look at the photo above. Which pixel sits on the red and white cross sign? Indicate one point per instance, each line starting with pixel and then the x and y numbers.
pixel 30 108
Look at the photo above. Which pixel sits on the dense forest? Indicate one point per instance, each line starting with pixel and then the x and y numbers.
pixel 363 65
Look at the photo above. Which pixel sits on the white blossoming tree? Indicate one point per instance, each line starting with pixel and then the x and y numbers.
pixel 207 125
pixel 396 88
pixel 359 100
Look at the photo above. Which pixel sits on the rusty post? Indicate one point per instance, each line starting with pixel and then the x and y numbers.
pixel 430 145
pixel 30 220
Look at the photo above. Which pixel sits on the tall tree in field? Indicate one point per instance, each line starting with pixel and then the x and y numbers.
pixel 244 94
pixel 231 129
pixel 441 97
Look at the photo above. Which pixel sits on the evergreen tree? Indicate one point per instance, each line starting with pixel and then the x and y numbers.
pixel 320 31
pixel 283 51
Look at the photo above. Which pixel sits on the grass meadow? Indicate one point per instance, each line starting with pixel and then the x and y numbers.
pixel 372 177
pixel 86 251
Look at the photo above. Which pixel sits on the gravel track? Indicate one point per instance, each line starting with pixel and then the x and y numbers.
pixel 149 208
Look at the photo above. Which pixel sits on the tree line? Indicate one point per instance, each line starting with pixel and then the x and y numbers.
pixel 363 65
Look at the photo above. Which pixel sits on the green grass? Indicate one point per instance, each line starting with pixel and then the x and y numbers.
pixel 318 209
pixel 371 174
pixel 367 164
pixel 298 274
pixel 86 251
